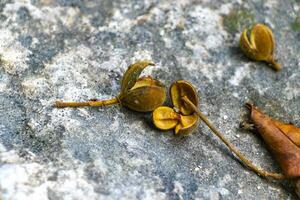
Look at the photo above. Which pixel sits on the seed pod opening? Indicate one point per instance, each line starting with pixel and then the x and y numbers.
pixel 180 89
pixel 141 94
pixel 259 44
pixel 132 74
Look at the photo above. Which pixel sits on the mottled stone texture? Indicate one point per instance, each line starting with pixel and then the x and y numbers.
pixel 79 49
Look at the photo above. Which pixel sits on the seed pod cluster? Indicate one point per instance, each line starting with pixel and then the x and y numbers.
pixel 181 117
pixel 259 45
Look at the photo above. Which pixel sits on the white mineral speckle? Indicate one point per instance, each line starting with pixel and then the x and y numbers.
pixel 12 54
pixel 34 87
pixel 207 25
pixel 4 81
pixel 178 189
pixel 292 90
pixel 240 73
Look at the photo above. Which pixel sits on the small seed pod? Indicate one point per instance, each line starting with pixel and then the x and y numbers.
pixel 140 94
pixel 181 118
pixel 146 95
pixel 180 89
pixel 259 45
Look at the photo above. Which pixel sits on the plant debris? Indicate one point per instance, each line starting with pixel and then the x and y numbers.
pixel 259 45
pixel 140 94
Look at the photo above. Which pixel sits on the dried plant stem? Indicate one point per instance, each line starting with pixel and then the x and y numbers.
pixel 274 64
pixel 97 103
pixel 232 148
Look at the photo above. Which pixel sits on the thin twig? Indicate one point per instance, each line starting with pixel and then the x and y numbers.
pixel 232 148
pixel 98 103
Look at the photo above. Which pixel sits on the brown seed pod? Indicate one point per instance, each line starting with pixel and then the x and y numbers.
pixel 259 45
pixel 139 94
pixel 180 89
pixel 184 122
pixel 281 139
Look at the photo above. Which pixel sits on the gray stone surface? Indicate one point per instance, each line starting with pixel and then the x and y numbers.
pixel 77 50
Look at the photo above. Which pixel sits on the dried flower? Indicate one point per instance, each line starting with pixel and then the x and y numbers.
pixel 259 45
pixel 140 94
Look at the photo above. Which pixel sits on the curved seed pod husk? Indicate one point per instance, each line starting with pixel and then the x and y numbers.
pixel 182 116
pixel 146 95
pixel 260 45
pixel 187 125
pixel 132 74
pixel 165 118
pixel 279 140
pixel 180 89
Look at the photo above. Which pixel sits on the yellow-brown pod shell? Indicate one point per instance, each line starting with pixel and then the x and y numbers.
pixel 165 118
pixel 186 125
pixel 180 89
pixel 146 95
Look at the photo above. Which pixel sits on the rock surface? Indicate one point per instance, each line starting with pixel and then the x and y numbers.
pixel 77 50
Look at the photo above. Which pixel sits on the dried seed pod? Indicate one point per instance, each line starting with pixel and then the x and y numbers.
pixel 165 118
pixel 260 46
pixel 180 89
pixel 277 136
pixel 283 141
pixel 146 95
pixel 139 94
pixel 181 117
pixel 132 74
pixel 187 125
pixel 292 132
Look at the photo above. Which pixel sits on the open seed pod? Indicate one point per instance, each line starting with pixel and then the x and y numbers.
pixel 259 45
pixel 180 89
pixel 181 118
pixel 141 94
pixel 146 95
